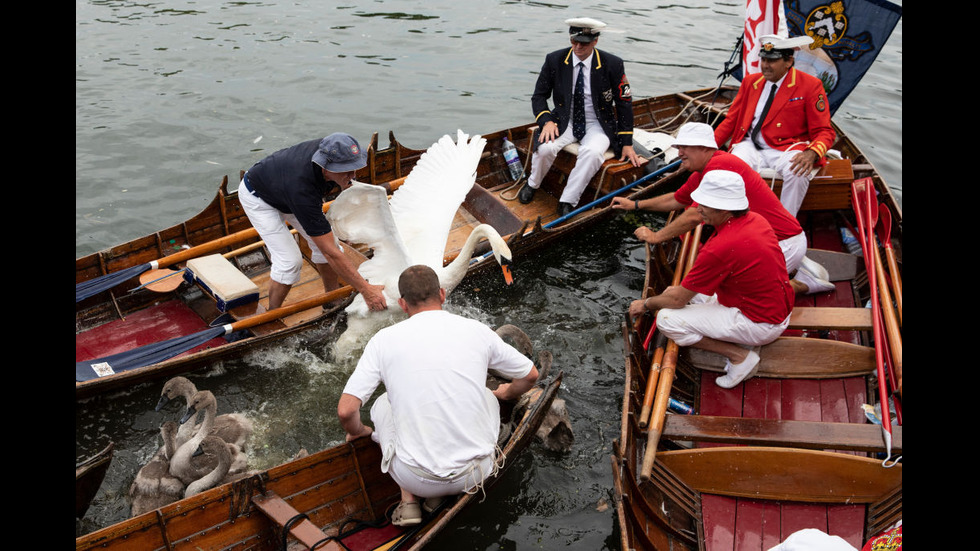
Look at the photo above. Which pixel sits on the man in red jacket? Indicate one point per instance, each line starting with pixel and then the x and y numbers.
pixel 791 134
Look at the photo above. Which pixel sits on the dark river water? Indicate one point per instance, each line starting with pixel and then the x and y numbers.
pixel 172 96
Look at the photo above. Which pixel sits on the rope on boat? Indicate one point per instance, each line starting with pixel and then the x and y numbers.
pixel 888 447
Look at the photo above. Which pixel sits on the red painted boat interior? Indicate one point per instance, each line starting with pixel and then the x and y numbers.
pixel 167 320
pixel 745 524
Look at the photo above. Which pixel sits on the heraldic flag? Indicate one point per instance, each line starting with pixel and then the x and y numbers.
pixel 847 37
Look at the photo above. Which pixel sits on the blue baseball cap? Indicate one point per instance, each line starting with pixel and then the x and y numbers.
pixel 340 152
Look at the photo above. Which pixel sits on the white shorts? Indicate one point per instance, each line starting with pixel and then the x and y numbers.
pixel 706 317
pixel 413 479
pixel 287 260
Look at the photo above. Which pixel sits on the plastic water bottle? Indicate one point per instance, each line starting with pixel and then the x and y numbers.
pixel 514 166
pixel 851 242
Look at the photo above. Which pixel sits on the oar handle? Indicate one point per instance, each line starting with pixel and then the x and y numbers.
pixel 205 248
pixel 291 309
pixel 651 387
pixel 659 412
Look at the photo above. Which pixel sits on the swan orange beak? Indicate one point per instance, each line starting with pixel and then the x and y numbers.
pixel 508 276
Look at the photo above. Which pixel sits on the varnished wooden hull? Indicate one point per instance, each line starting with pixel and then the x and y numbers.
pixel 788 449
pixel 88 478
pixel 492 201
pixel 333 488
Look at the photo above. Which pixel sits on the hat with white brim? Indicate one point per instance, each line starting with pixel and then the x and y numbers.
pixel 722 190
pixel 696 133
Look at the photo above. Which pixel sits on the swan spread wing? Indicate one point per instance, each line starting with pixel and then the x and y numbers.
pixel 360 214
pixel 424 206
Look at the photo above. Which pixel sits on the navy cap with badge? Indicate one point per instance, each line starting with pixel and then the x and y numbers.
pixel 584 29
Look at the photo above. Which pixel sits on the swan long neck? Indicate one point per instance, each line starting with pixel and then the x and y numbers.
pixel 209 480
pixel 466 252
pixel 180 464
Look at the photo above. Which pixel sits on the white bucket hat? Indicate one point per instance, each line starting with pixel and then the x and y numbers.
pixel 721 189
pixel 696 133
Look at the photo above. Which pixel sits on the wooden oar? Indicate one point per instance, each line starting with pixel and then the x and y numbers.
pixel 96 285
pixel 886 309
pixel 861 198
pixel 892 326
pixel 667 369
pixel 163 281
pixel 884 229
pixel 653 377
pixel 158 352
pixel 660 348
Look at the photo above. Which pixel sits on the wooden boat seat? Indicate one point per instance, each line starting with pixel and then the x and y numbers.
pixel 854 319
pixel 644 138
pixel 298 525
pixel 220 279
pixel 864 437
pixel 785 474
pixel 830 187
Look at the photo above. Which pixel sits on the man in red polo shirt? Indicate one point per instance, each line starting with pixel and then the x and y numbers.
pixel 696 148
pixel 737 295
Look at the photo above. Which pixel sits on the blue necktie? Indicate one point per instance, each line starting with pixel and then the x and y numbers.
pixel 578 104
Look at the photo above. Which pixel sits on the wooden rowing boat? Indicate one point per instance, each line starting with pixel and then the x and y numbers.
pixel 789 449
pixel 88 478
pixel 124 316
pixel 337 496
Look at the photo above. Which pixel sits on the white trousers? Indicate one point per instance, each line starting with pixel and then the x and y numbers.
pixel 794 249
pixel 705 317
pixel 415 480
pixel 794 187
pixel 287 260
pixel 591 155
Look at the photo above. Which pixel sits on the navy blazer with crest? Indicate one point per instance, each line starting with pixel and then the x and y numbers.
pixel 611 97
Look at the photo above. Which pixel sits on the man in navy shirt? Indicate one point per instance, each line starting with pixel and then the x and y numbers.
pixel 289 186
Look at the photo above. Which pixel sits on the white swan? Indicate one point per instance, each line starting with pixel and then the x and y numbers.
pixel 154 486
pixel 413 227
pixel 183 464
pixel 233 428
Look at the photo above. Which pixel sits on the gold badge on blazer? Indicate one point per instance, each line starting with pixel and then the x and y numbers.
pixel 821 103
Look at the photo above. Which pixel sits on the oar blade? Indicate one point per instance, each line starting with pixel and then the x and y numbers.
pixel 143 356
pixel 96 285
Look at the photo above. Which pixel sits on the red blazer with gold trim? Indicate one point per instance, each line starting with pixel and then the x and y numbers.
pixel 799 113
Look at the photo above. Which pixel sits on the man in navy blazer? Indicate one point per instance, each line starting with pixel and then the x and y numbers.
pixel 605 120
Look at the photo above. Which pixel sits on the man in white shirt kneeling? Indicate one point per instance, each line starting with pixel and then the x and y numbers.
pixel 437 424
